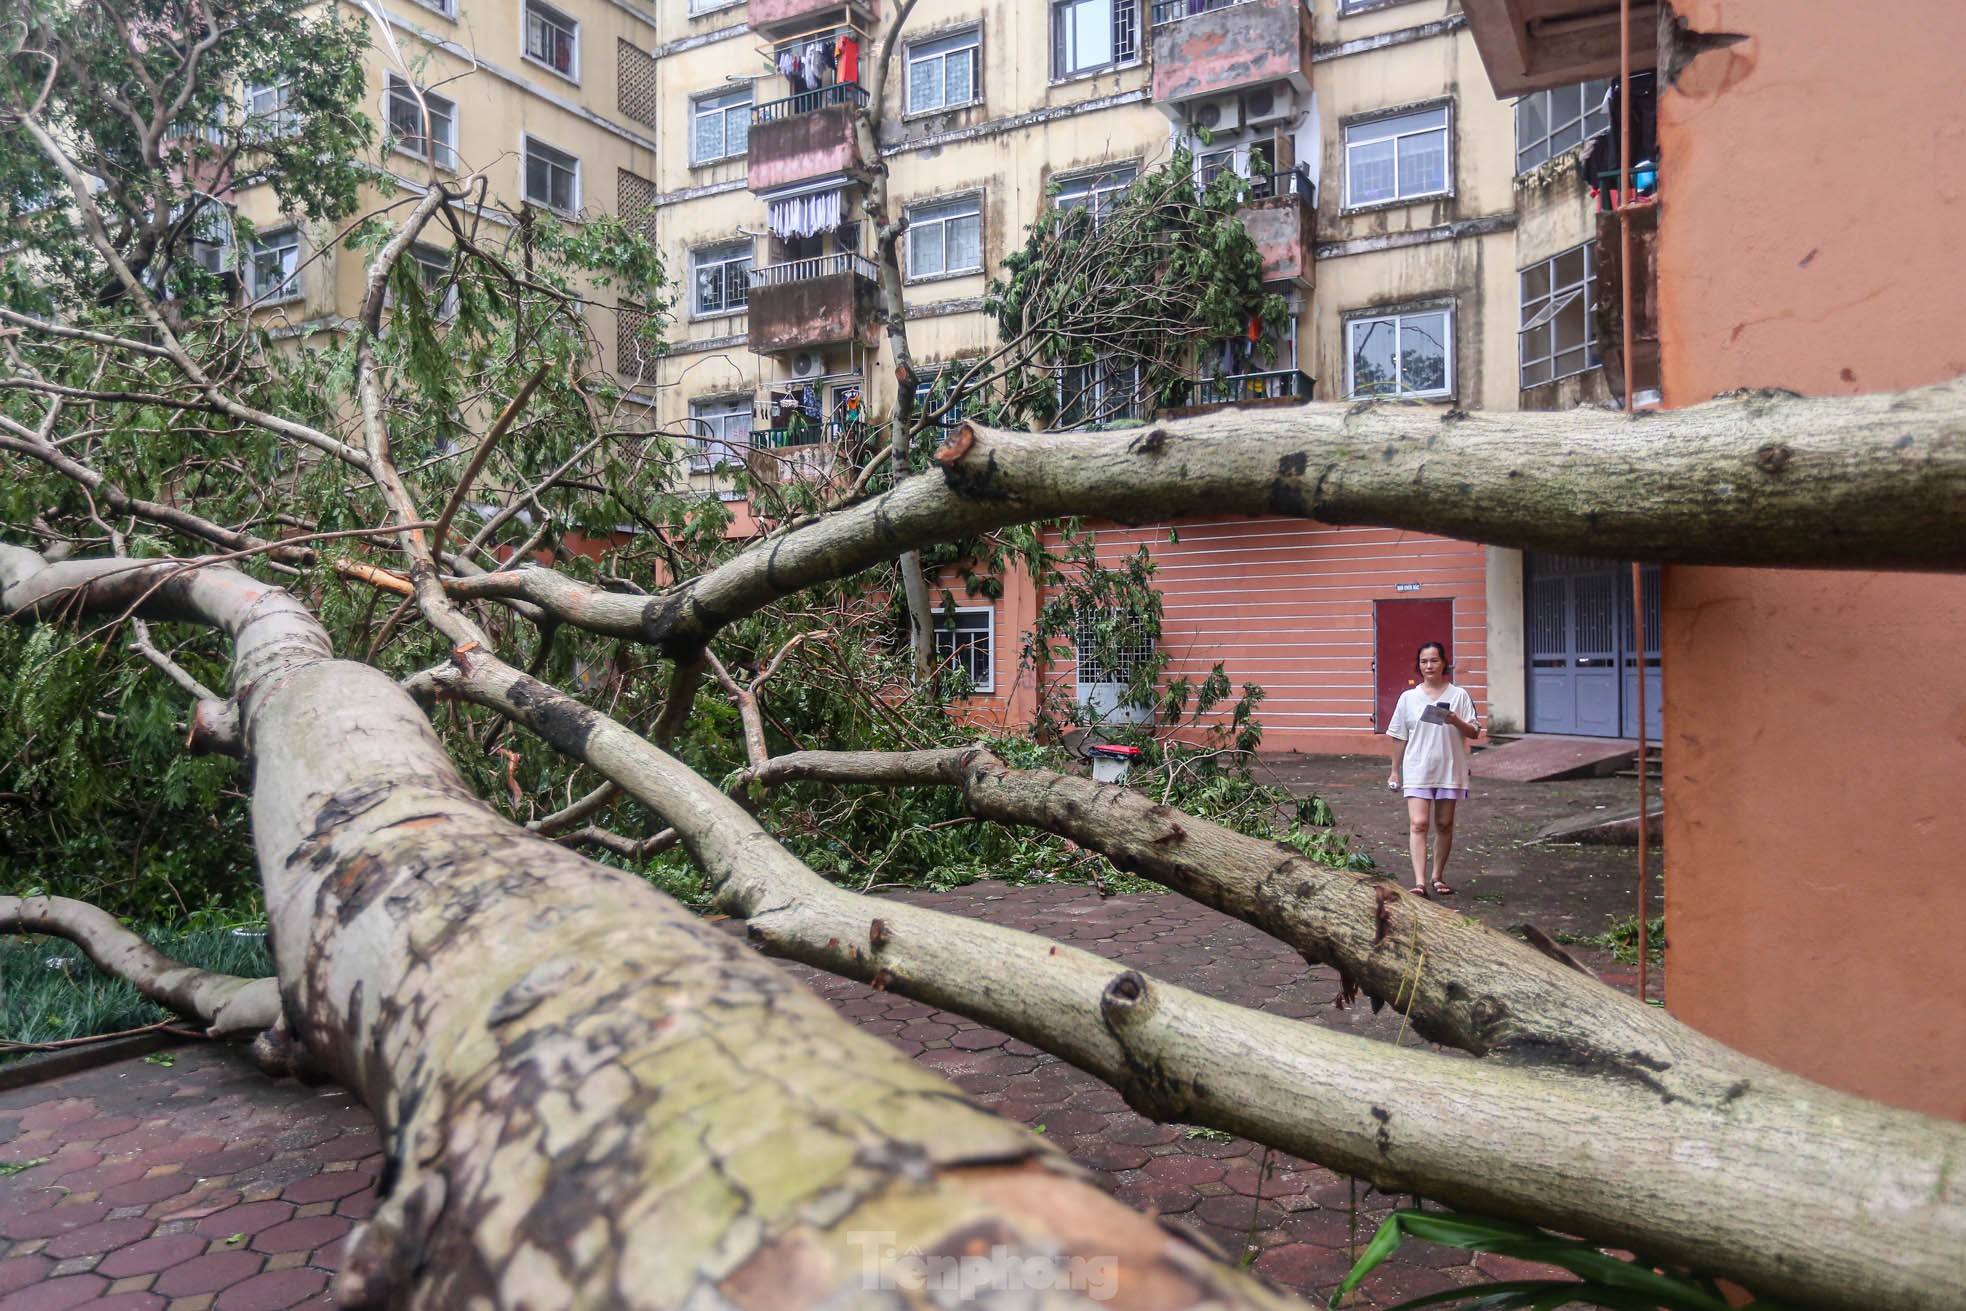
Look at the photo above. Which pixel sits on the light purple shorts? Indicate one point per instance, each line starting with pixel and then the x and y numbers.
pixel 1438 794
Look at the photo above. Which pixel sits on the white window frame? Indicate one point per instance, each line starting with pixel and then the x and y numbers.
pixel 719 412
pixel 267 102
pixel 1406 125
pixel 288 288
pixel 938 53
pixel 931 221
pixel 1592 118
pixel 397 92
pixel 736 283
pixel 700 7
pixel 1542 312
pixel 1122 36
pixel 1098 191
pixel 721 104
pixel 448 8
pixel 1399 320
pixel 950 649
pixel 538 17
pixel 554 158
pixel 434 266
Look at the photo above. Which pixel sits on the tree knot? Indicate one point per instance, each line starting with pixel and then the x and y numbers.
pixel 1128 999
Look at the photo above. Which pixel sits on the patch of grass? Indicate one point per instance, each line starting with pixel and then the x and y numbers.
pixel 52 992
pixel 1621 940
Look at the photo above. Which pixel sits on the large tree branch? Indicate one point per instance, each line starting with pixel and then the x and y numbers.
pixel 1758 479
pixel 590 1097
pixel 223 1003
pixel 1583 1148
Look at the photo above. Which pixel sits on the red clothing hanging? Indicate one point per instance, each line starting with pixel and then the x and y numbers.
pixel 849 59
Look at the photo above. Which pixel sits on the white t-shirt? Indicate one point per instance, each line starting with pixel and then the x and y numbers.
pixel 1436 754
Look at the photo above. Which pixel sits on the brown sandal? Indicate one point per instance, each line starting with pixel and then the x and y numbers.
pixel 1441 889
pixel 1419 890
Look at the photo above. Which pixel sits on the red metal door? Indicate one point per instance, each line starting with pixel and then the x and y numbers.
pixel 1399 627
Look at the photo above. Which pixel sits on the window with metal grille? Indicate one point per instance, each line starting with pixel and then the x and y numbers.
pixel 1096 193
pixel 406 114
pixel 552 177
pixel 634 83
pixel 1402 157
pixel 723 279
pixel 965 638
pixel 721 433
pixel 1547 123
pixel 1557 338
pixel 267 111
pixel 945 238
pixel 1111 648
pixel 942 74
pixel 1093 395
pixel 552 39
pixel 273 272
pixel 720 125
pixel 1401 354
pixel 1090 35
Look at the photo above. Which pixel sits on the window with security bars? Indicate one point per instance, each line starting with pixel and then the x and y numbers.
pixel 942 74
pixel 945 238
pixel 552 38
pixel 720 434
pixel 552 177
pixel 1547 123
pixel 1401 355
pixel 407 109
pixel 720 125
pixel 1096 394
pixel 1096 193
pixel 634 353
pixel 634 83
pixel 273 269
pixel 1403 157
pixel 1111 648
pixel 1557 338
pixel 1090 35
pixel 723 279
pixel 634 201
pixel 965 639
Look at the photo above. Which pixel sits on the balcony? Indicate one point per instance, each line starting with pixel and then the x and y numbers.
pixel 805 136
pixel 1281 218
pixel 1276 387
pixel 809 303
pixel 1205 49
pixel 780 18
pixel 812 452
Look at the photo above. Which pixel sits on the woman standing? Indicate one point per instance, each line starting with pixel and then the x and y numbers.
pixel 1433 724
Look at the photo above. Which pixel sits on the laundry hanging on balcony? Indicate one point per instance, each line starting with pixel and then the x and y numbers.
pixel 803 216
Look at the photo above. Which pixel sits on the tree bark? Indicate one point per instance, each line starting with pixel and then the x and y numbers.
pixel 1874 482
pixel 1600 1150
pixel 223 1003
pixel 590 1098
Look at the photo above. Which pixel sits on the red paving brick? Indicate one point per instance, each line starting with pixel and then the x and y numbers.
pixel 234 1136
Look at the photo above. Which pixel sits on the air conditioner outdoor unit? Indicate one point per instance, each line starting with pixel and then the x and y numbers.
pixel 1220 115
pixel 1272 104
pixel 808 364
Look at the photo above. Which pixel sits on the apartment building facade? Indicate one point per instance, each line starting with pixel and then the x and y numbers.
pixel 1413 222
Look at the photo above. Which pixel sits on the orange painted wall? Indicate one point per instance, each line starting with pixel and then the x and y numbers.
pixel 1814 204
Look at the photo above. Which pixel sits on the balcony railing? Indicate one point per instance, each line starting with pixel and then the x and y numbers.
pixel 1173 11
pixel 1233 388
pixel 1295 182
pixel 819 266
pixel 847 434
pixel 808 102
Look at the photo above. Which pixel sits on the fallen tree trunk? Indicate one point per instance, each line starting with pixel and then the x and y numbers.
pixel 223 1003
pixel 1796 1190
pixel 1876 482
pixel 590 1098
pixel 1462 983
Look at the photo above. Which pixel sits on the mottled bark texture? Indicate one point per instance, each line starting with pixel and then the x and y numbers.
pixel 223 1003
pixel 1796 1190
pixel 1764 478
pixel 590 1098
